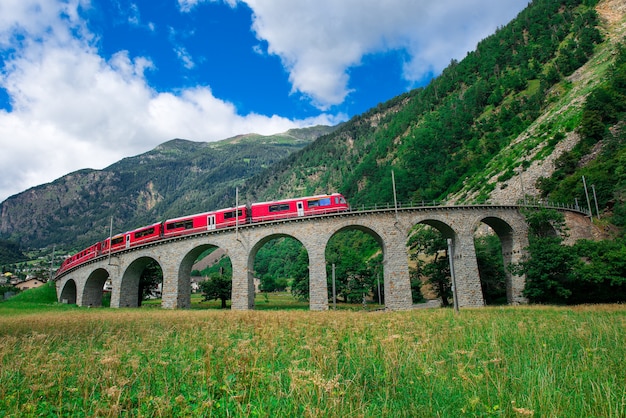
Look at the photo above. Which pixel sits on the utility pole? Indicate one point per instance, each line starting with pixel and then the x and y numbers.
pixel 395 200
pixel 110 239
pixel 595 200
pixel 237 213
pixel 587 196
pixel 334 290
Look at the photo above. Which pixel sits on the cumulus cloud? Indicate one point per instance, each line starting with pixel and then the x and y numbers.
pixel 73 109
pixel 318 41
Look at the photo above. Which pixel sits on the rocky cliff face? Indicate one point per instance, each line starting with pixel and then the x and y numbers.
pixel 73 196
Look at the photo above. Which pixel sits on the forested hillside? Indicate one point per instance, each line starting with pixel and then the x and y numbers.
pixel 510 104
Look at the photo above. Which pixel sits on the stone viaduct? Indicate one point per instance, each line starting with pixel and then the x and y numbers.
pixel 390 227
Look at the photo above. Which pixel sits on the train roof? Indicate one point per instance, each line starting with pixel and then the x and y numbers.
pixel 180 218
pixel 293 199
pixel 120 234
pixel 147 226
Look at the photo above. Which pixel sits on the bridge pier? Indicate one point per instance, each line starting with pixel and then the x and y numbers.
pixel 318 279
pixel 128 287
pixel 242 297
pixel 512 253
pixel 176 288
pixel 468 289
pixel 397 282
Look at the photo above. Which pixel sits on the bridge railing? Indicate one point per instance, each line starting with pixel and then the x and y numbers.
pixel 529 203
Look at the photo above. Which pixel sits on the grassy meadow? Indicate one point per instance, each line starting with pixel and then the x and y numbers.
pixel 59 360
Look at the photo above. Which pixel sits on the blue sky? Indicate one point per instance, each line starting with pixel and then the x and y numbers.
pixel 86 83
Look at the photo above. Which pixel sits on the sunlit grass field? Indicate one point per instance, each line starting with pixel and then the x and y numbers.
pixel 59 360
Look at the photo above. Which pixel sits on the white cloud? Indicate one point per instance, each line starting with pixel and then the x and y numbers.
pixel 319 40
pixel 72 109
pixel 186 6
pixel 185 57
pixel 181 52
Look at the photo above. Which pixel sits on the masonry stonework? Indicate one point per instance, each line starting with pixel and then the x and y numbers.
pixel 83 285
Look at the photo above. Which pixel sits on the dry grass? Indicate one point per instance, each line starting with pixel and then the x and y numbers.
pixel 525 361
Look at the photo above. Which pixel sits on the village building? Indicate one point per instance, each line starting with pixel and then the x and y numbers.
pixel 30 283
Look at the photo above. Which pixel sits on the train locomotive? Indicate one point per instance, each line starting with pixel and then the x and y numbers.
pixel 207 221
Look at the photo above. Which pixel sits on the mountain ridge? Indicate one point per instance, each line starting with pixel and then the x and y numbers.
pixel 176 177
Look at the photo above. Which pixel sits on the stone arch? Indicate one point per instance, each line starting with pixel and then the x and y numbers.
pixel 446 231
pixel 184 273
pixel 459 232
pixel 68 293
pixel 254 251
pixel 368 231
pixel 363 228
pixel 512 244
pixel 94 285
pixel 128 293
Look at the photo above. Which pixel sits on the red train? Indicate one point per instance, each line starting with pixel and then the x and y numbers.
pixel 304 206
pixel 223 218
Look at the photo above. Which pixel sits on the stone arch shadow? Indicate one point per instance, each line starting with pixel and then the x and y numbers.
pixel 511 253
pixel 93 290
pixel 184 274
pixel 128 294
pixel 69 292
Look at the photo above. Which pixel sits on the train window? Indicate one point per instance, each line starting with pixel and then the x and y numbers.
pixel 231 214
pixel 117 240
pixel 144 233
pixel 280 207
pixel 188 224
pixel 319 202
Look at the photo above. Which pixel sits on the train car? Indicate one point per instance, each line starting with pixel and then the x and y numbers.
pixel 129 239
pixel 80 257
pixel 205 221
pixel 302 206
pixel 115 243
pixel 144 234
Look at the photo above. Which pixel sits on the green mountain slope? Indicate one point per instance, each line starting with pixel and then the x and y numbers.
pixel 176 178
pixel 439 140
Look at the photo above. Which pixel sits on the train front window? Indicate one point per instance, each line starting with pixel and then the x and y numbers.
pixel 319 202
